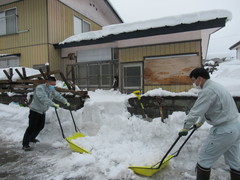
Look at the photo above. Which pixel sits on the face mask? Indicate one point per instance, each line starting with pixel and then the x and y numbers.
pixel 50 87
pixel 195 86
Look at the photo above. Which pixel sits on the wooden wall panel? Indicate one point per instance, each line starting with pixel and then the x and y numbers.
pixel 169 71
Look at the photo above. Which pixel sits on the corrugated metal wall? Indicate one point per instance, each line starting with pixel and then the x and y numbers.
pixel 137 54
pixel 60 25
pixel 41 23
pixel 31 41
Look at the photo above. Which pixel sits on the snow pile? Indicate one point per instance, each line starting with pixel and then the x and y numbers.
pixel 228 74
pixel 154 23
pixel 116 139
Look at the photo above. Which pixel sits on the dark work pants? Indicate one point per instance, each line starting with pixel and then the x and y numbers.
pixel 36 124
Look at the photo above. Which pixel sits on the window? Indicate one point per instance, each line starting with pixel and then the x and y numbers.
pixel 106 74
pixel 86 26
pixel 80 25
pixel 95 74
pixel 132 76
pixel 9 61
pixel 8 22
pixel 82 74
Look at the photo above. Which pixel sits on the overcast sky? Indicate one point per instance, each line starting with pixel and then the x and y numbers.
pixel 138 10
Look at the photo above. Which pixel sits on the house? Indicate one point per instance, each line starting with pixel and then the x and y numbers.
pixel 145 55
pixel 29 28
pixel 236 47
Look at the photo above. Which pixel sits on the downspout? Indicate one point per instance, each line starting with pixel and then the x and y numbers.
pixel 47 34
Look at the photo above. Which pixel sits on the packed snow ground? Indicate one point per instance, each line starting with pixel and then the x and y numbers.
pixel 116 139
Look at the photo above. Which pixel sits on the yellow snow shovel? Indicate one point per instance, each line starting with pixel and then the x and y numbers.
pixel 151 170
pixel 138 95
pixel 69 139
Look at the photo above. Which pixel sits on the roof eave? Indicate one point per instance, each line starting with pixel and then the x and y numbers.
pixel 113 10
pixel 235 45
pixel 219 22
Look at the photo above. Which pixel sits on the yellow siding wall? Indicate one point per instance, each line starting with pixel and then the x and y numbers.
pixel 31 55
pixel 45 23
pixel 31 17
pixel 60 21
pixel 60 25
pixel 32 44
pixel 137 54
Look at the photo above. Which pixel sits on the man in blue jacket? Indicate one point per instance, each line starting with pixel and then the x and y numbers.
pixel 216 106
pixel 42 100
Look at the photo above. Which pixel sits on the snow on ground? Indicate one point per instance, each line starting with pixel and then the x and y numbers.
pixel 116 140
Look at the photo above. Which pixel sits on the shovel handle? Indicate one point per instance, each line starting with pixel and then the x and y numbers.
pixel 138 95
pixel 60 124
pixel 178 151
pixel 75 126
pixel 160 163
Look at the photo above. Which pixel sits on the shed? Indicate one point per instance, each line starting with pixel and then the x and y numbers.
pixel 158 53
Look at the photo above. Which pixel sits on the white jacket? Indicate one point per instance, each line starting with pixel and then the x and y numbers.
pixel 214 105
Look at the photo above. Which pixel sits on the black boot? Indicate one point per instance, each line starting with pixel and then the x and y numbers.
pixel 202 173
pixel 235 175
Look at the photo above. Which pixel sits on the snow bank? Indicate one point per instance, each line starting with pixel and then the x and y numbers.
pixel 116 139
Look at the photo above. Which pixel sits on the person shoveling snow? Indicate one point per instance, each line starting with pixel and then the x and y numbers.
pixel 42 100
pixel 216 106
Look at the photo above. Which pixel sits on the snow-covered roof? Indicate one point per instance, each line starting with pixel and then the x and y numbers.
pixel 154 23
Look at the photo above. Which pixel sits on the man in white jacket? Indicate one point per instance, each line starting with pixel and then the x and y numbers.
pixel 216 106
pixel 42 100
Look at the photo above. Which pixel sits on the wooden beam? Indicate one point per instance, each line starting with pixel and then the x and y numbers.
pixel 8 76
pixel 20 75
pixel 24 72
pixel 80 93
pixel 40 75
pixel 5 81
pixel 65 80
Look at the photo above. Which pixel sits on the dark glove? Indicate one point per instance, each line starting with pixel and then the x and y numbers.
pixel 183 132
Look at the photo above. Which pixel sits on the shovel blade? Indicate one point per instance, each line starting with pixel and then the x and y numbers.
pixel 74 146
pixel 150 170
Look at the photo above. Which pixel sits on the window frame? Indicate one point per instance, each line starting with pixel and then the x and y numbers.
pixel 15 30
pixel 128 65
pixel 82 28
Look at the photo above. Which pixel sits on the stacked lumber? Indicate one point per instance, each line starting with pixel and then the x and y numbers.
pixel 26 84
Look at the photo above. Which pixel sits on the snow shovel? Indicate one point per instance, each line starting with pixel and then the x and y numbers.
pixel 69 139
pixel 137 94
pixel 151 170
